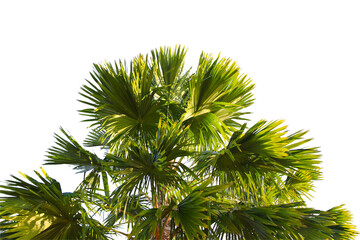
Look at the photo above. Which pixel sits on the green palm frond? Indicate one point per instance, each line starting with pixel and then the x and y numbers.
pixel 141 169
pixel 171 64
pixel 143 172
pixel 69 151
pixel 127 211
pixel 341 225
pixel 172 81
pixel 97 138
pixel 122 102
pixel 193 213
pixel 257 158
pixel 40 210
pixel 264 146
pixel 217 94
pixel 287 221
pixel 189 215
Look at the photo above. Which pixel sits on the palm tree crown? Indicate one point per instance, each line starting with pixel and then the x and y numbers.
pixel 181 162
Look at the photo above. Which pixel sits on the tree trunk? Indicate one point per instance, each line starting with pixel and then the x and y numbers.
pixel 167 229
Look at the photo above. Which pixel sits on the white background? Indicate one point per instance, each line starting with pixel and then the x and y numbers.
pixel 303 56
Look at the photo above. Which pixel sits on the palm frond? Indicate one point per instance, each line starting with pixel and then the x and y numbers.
pixel 121 102
pixel 96 138
pixel 218 94
pixel 40 210
pixel 188 215
pixel 140 168
pixel 143 171
pixel 286 221
pixel 172 81
pixel 171 64
pixel 69 151
pixel 257 158
pixel 192 214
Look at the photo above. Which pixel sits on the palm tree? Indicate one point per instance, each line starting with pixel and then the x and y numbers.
pixel 180 161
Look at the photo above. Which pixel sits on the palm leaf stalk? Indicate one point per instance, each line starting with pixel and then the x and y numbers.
pixel 182 161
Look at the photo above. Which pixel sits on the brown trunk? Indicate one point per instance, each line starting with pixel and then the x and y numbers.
pixel 157 234
pixel 167 229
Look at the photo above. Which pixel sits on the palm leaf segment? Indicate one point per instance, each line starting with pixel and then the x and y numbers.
pixel 40 210
pixel 69 151
pixel 217 94
pixel 182 160
pixel 287 221
pixel 258 159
